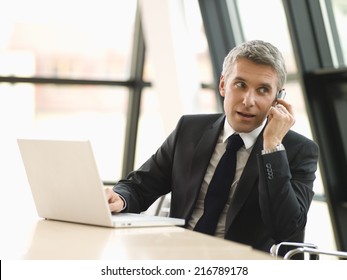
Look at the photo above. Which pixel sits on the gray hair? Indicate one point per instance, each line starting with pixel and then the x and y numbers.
pixel 259 52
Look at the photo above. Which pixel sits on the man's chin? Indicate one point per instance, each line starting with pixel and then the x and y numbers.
pixel 245 128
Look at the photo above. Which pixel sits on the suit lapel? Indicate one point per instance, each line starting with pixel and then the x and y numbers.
pixel 201 159
pixel 247 182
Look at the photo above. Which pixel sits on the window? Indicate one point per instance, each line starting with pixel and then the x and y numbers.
pixel 152 129
pixel 337 17
pixel 74 57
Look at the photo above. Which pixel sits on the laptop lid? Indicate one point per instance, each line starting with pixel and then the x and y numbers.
pixel 66 185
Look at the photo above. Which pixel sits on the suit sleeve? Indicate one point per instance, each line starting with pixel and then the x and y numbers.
pixel 285 189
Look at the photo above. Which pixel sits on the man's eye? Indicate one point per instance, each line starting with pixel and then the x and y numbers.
pixel 263 90
pixel 240 85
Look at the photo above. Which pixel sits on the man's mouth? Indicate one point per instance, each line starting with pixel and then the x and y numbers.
pixel 246 115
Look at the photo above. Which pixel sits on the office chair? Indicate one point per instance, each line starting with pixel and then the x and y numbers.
pixel 301 248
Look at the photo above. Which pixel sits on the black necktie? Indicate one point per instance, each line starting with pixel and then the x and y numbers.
pixel 219 187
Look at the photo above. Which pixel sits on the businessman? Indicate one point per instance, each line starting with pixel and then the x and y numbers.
pixel 267 198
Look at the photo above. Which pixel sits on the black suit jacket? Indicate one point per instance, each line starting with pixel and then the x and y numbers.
pixel 273 195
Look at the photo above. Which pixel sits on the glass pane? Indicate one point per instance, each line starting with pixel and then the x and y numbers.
pixel 92 113
pixel 340 14
pixel 73 39
pixel 200 46
pixel 204 101
pixel 195 28
pixel 258 23
pixel 151 132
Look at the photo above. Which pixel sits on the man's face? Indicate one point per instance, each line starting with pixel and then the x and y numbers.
pixel 249 91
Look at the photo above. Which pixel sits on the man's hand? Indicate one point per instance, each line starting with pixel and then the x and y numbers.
pixel 280 120
pixel 115 202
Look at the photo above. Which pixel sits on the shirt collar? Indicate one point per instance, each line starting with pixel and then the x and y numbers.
pixel 248 138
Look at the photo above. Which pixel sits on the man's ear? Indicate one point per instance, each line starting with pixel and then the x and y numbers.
pixel 222 86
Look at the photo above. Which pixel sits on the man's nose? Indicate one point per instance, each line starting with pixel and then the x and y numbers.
pixel 249 98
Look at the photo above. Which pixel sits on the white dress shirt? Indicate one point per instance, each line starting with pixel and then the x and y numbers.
pixel 242 157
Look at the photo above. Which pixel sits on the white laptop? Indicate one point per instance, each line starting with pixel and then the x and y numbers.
pixel 66 185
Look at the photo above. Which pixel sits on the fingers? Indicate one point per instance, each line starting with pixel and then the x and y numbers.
pixel 284 106
pixel 116 206
pixel 280 120
pixel 115 202
pixel 285 113
pixel 109 194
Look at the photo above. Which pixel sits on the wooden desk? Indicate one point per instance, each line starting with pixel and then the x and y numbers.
pixel 60 240
pixel 24 235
